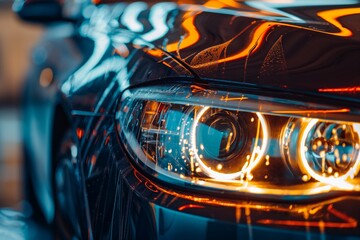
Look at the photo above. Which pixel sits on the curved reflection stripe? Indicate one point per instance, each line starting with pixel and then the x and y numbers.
pixel 130 17
pixel 349 222
pixel 257 37
pixel 345 89
pixel 331 17
pixel 342 110
pixel 192 35
pixel 266 7
pixel 189 206
pixel 79 78
pixel 190 39
pixel 157 18
pixel 261 12
pixel 253 45
pixel 261 207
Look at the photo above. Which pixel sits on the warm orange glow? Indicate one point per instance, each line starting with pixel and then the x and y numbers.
pixel 191 37
pixel 342 110
pixel 345 89
pixel 331 17
pixel 195 89
pixel 155 52
pixel 166 64
pixel 230 3
pixel 233 98
pixel 46 77
pixel 107 140
pixel 348 221
pixel 214 4
pixel 138 176
pixel 79 132
pixel 342 216
pixel 182 208
pixel 312 209
pixel 257 38
pixel 336 181
pixel 151 187
pixel 255 42
pixel 122 50
pixel 256 154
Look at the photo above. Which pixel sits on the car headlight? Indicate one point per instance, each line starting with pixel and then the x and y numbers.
pixel 240 141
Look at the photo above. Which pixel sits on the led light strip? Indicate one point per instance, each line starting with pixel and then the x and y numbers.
pixel 246 169
pixel 339 182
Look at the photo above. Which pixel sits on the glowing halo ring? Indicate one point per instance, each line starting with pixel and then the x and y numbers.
pixel 340 181
pixel 224 176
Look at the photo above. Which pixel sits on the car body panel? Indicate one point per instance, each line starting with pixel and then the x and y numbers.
pixel 293 48
pixel 299 48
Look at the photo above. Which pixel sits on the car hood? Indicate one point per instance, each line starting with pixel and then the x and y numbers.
pixel 310 46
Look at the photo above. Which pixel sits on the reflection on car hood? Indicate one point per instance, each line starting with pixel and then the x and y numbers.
pixel 298 45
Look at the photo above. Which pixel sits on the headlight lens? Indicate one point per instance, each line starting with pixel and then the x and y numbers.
pixel 328 151
pixel 240 142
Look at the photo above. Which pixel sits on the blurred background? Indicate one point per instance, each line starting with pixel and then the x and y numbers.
pixel 16 41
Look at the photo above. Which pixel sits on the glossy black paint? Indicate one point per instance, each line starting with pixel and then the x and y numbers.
pixel 285 48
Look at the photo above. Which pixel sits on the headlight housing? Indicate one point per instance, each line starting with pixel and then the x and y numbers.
pixel 240 142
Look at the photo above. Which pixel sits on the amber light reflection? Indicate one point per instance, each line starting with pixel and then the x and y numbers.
pixel 349 222
pixel 342 110
pixel 331 17
pixel 257 36
pixel 79 132
pixel 345 90
pixel 182 208
pixel 305 211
